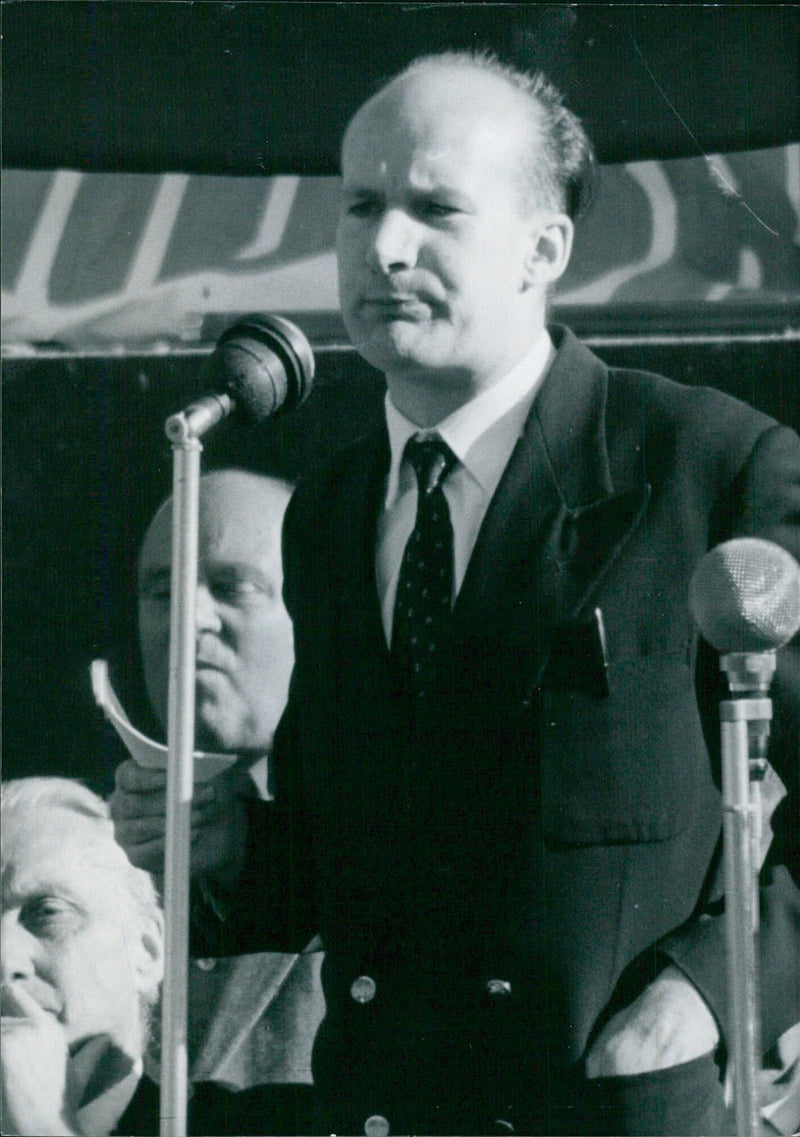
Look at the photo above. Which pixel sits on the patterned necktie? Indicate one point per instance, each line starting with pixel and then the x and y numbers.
pixel 425 585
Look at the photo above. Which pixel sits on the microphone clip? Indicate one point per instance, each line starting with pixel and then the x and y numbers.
pixel 749 672
pixel 191 424
pixel 749 677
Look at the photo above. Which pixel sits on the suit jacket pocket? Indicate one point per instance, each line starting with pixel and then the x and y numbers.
pixel 625 767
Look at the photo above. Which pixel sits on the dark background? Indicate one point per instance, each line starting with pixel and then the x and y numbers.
pixel 262 88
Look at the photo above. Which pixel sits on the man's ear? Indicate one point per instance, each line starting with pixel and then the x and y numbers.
pixel 549 249
pixel 149 963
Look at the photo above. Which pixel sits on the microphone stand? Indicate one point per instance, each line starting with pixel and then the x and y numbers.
pixel 186 450
pixel 266 360
pixel 744 722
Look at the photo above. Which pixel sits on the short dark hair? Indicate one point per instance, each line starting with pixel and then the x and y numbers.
pixel 566 180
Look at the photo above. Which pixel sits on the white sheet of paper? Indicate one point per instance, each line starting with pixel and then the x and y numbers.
pixel 145 751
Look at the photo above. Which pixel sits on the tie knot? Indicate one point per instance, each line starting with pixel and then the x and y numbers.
pixel 432 460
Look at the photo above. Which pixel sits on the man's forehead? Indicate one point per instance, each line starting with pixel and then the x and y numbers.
pixel 239 525
pixel 437 121
pixel 57 848
pixel 442 91
pixel 223 544
pixel 239 521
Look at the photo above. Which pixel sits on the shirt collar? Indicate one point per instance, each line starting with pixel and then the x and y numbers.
pixel 466 425
pixel 106 1079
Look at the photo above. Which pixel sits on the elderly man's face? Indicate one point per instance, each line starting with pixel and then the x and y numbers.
pixel 69 936
pixel 432 238
pixel 245 647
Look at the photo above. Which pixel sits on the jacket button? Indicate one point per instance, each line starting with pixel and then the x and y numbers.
pixel 363 991
pixel 498 987
pixel 206 964
pixel 376 1126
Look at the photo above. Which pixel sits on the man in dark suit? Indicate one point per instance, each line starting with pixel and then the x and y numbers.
pixel 494 793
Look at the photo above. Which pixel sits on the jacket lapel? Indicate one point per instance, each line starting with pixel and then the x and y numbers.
pixel 555 524
pixel 351 528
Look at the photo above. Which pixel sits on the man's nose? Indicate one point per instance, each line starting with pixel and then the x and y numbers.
pixel 207 617
pixel 395 243
pixel 16 946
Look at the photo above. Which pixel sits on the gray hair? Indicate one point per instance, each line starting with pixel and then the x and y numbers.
pixel 72 797
pixel 567 177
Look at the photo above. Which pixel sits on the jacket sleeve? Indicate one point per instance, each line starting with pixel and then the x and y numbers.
pixel 766 504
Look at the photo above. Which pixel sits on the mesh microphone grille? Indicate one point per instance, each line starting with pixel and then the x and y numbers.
pixel 745 596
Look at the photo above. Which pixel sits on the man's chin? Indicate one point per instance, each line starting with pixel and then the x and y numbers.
pixel 214 731
pixel 213 738
pixel 390 343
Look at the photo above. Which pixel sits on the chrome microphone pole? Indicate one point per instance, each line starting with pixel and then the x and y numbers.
pixel 744 723
pixel 745 599
pixel 186 450
pixel 263 363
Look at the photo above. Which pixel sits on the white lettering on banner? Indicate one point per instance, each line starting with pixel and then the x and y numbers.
pixel 275 218
pixel 664 239
pixel 663 233
pixel 157 233
pixel 34 278
pixel 793 184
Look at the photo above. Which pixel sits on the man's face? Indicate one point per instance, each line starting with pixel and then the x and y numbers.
pixel 69 936
pixel 245 648
pixel 432 238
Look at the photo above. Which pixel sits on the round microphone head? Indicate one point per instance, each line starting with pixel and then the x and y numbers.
pixel 265 364
pixel 745 596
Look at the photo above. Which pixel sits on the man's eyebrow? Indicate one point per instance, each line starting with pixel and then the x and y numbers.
pixel 441 191
pixel 360 191
pixel 436 191
pixel 150 577
pixel 49 886
pixel 240 570
pixel 158 576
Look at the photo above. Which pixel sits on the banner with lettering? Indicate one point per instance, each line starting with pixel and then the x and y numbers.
pixel 131 261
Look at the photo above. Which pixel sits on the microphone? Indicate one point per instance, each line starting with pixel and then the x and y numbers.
pixel 261 365
pixel 745 599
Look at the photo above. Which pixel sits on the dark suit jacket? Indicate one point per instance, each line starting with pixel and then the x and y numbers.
pixel 216 1112
pixel 553 823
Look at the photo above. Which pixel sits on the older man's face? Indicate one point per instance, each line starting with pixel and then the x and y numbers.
pixel 69 936
pixel 245 647
pixel 432 236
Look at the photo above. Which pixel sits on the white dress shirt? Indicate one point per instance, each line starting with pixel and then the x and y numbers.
pixel 482 434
